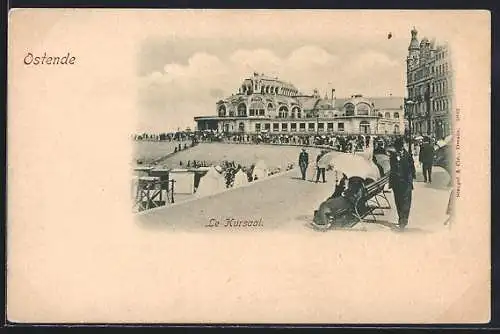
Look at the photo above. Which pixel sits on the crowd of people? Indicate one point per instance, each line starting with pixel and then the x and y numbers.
pixel 339 142
pixel 169 137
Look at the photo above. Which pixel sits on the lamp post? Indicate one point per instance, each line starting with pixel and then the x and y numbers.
pixel 317 123
pixel 409 112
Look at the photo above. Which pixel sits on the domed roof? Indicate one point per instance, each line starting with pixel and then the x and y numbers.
pixel 358 99
pixel 414 41
pixel 414 44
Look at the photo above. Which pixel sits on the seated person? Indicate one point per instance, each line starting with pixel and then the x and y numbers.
pixel 340 186
pixel 355 188
pixel 337 209
pixel 356 191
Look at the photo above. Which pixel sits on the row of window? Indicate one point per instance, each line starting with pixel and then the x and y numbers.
pixel 258 109
pixel 255 112
pixel 441 105
pixel 261 112
pixel 301 126
pixel 435 88
pixel 267 90
pixel 442 69
pixel 442 54
pixel 425 72
pixel 440 86
pixel 364 127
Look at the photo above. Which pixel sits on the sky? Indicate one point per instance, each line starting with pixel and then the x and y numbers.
pixel 184 72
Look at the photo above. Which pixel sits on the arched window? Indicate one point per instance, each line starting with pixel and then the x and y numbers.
pixel 396 129
pixel 349 109
pixel 283 112
pixel 256 109
pixel 396 115
pixel 364 127
pixel 387 115
pixel 241 127
pixel 222 111
pixel 363 109
pixel 242 109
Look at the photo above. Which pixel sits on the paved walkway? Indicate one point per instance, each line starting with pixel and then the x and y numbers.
pixel 287 203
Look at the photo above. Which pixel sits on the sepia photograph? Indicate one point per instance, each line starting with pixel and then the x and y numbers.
pixel 367 134
pixel 248 166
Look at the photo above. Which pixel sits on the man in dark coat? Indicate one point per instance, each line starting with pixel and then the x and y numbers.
pixel 303 162
pixel 426 158
pixel 401 180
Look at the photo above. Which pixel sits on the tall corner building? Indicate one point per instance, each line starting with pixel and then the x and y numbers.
pixel 264 104
pixel 429 81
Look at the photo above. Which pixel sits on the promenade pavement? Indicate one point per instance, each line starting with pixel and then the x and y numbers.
pixel 286 202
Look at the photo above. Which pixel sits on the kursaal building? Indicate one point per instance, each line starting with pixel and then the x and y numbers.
pixel 265 104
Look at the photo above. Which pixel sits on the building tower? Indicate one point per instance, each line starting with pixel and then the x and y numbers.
pixel 413 50
pixel 412 61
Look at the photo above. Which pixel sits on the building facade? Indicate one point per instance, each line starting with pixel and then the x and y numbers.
pixel 430 88
pixel 269 105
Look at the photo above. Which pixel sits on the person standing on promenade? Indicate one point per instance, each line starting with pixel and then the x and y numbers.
pixel 303 162
pixel 320 168
pixel 426 158
pixel 401 178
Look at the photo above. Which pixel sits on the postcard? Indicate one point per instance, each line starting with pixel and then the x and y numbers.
pixel 248 166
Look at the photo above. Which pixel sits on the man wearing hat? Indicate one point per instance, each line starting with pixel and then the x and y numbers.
pixel 401 178
pixel 303 162
pixel 426 158
pixel 320 166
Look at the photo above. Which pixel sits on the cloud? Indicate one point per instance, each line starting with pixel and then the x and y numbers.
pixel 371 61
pixel 311 56
pixel 258 60
pixel 172 97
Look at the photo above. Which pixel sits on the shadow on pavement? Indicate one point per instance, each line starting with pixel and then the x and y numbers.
pixel 393 227
pixel 362 227
pixel 440 180
pixel 311 227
